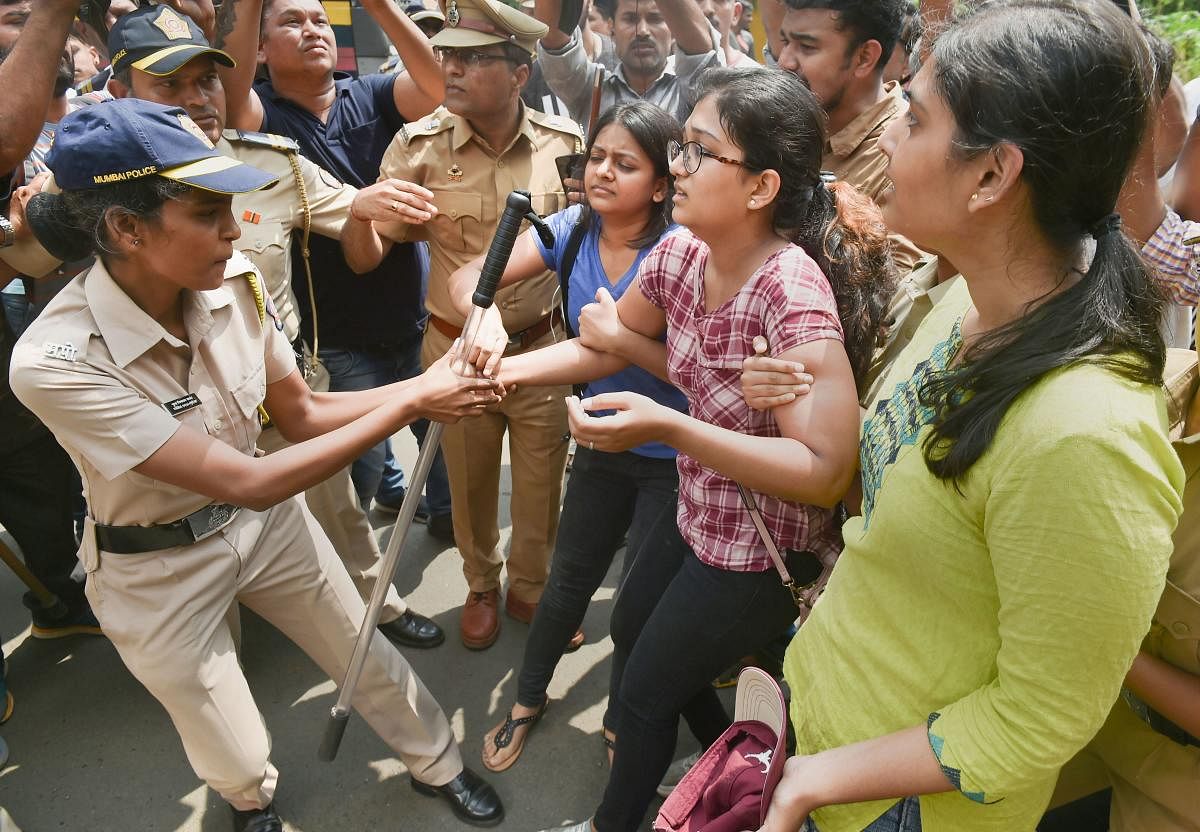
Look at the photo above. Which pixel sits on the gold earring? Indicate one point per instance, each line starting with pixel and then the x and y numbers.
pixel 974 197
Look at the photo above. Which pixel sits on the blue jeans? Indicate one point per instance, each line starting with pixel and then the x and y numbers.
pixel 607 496
pixel 904 816
pixel 365 369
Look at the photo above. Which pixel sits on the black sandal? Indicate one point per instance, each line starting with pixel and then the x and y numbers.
pixel 507 733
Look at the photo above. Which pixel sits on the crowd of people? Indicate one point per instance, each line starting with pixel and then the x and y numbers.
pixel 905 294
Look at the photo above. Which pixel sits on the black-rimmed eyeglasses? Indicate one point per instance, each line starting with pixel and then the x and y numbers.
pixel 693 154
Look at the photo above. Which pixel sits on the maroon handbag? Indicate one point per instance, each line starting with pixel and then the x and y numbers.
pixel 730 787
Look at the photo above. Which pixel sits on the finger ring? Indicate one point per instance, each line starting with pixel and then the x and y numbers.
pixel 396 206
pixel 592 445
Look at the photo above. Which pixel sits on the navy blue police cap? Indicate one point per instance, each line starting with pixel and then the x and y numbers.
pixel 158 40
pixel 128 138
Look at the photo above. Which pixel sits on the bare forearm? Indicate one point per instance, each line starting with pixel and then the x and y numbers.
pixel 1141 202
pixel 27 78
pixel 1172 692
pixel 772 15
pixel 568 362
pixel 893 766
pixel 412 46
pixel 780 466
pixel 299 467
pixel 648 353
pixel 238 24
pixel 1186 196
pixel 688 25
pixel 548 11
pixel 362 246
pixel 322 413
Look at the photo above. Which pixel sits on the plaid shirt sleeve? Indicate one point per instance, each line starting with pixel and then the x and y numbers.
pixel 1174 251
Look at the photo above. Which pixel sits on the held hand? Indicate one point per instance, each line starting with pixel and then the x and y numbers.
pixel 393 199
pixel 447 396
pixel 789 805
pixel 574 189
pixel 600 326
pixel 490 343
pixel 638 420
pixel 768 382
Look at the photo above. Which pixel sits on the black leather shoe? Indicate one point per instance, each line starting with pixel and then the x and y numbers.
pixel 413 630
pixel 473 800
pixel 257 820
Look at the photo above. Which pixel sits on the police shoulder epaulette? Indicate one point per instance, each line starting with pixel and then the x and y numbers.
pixel 434 123
pixel 271 140
pixel 555 122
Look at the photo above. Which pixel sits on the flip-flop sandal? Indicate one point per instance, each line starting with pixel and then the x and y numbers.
pixel 507 733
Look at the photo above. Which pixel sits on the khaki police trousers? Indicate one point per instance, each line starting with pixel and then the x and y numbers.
pixel 335 505
pixel 536 421
pixel 165 612
pixel 1154 779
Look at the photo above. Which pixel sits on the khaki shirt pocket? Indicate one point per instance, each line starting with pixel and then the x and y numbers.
pixel 265 243
pixel 548 203
pixel 458 225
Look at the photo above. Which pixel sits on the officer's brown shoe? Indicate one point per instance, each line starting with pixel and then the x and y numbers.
pixel 257 820
pixel 480 623
pixel 523 611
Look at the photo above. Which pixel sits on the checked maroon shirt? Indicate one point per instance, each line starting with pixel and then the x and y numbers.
pixel 789 302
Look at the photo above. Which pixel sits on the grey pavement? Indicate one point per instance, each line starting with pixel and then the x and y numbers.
pixel 92 750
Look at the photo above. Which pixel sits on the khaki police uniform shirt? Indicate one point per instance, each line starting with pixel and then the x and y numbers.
pixel 269 218
pixel 917 293
pixel 853 154
pixel 470 183
pixel 98 370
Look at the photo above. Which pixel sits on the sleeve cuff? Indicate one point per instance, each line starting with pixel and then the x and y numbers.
pixel 950 767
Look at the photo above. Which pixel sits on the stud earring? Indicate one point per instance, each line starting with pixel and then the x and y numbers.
pixel 752 203
pixel 974 197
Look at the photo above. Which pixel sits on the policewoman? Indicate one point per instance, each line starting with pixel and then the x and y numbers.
pixel 161 55
pixel 150 368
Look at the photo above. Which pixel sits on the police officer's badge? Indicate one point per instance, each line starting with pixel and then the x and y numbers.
pixel 452 15
pixel 172 25
pixel 455 174
pixel 194 128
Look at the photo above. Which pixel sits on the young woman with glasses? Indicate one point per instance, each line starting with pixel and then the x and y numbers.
pixel 609 495
pixel 768 250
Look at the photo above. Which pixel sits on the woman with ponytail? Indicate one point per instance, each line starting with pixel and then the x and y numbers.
pixel 1019 488
pixel 759 227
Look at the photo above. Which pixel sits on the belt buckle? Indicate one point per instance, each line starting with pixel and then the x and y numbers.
pixel 209 520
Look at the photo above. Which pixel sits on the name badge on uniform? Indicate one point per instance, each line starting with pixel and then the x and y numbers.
pixel 67 352
pixel 182 405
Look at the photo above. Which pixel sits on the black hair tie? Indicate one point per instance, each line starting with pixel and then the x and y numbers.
pixel 1105 225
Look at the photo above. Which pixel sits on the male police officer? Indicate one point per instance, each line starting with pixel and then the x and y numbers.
pixel 471 154
pixel 162 56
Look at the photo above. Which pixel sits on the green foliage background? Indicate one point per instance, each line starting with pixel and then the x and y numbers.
pixel 1179 22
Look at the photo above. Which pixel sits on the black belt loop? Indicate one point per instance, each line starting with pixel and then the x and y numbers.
pixel 136 540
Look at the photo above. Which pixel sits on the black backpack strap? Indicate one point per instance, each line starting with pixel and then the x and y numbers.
pixel 570 253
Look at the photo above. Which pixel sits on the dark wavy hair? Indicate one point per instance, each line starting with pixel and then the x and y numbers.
pixel 74 224
pixel 1070 83
pixel 779 125
pixel 651 127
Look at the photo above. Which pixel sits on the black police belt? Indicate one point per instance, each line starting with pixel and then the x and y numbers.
pixel 1157 721
pixel 134 540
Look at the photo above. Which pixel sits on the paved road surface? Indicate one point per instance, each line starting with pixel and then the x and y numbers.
pixel 91 750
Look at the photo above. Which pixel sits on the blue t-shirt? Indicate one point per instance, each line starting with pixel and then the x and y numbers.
pixel 384 307
pixel 587 275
